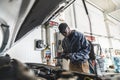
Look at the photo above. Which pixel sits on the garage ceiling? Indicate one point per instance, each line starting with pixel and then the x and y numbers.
pixel 110 7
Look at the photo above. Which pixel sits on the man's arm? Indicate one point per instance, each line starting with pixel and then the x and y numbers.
pixel 81 54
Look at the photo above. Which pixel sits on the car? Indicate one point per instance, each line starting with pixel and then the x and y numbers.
pixel 32 14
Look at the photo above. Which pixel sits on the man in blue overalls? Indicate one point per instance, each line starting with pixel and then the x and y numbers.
pixel 76 48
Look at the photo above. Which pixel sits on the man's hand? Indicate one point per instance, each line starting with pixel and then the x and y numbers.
pixel 63 55
pixel 67 57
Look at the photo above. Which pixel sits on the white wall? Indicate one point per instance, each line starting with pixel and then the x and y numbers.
pixel 24 50
pixel 115 33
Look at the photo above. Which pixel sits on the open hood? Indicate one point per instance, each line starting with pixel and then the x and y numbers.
pixel 29 14
pixel 41 11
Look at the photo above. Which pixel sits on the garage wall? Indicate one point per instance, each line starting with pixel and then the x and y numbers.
pixel 24 50
pixel 115 33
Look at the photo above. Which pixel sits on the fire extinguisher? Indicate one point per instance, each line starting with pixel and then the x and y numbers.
pixel 47 55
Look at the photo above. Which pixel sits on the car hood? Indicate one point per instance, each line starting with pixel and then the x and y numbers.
pixel 31 13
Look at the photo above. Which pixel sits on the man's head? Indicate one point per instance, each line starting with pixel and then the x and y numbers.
pixel 64 29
